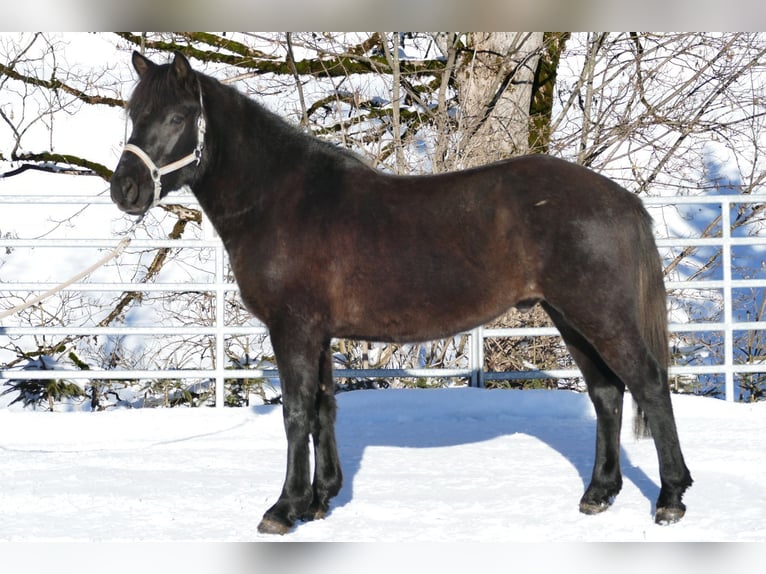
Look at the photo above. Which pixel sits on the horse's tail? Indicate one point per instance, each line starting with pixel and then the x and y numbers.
pixel 652 308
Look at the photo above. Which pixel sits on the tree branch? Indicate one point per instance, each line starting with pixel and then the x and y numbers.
pixel 328 65
pixel 54 84
pixel 49 162
pixel 48 168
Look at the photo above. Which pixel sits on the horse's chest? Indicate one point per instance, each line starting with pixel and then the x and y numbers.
pixel 269 278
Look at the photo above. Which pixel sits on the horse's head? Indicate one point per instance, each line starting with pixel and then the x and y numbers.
pixel 165 147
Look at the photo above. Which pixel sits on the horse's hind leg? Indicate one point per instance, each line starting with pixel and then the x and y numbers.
pixel 620 344
pixel 327 471
pixel 652 393
pixel 630 358
pixel 606 392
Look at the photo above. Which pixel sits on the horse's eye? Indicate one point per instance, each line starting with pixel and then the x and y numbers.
pixel 176 119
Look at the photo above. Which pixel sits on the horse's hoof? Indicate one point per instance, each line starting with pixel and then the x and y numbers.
pixel 594 507
pixel 666 516
pixel 312 515
pixel 271 526
pixel 315 512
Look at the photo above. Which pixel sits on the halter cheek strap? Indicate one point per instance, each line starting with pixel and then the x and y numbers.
pixel 157 172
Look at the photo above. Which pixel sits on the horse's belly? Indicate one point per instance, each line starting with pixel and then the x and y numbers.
pixel 436 314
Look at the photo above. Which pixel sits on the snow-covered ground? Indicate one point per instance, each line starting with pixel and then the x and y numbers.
pixel 419 465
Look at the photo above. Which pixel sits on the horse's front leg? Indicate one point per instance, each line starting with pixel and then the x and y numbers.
pixel 298 360
pixel 328 477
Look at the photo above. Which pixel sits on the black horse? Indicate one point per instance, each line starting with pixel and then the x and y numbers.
pixel 322 246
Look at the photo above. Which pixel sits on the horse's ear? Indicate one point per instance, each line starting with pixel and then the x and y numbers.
pixel 142 64
pixel 182 67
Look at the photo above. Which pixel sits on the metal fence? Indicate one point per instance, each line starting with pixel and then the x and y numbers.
pixel 474 372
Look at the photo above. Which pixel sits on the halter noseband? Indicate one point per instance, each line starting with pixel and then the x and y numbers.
pixel 157 172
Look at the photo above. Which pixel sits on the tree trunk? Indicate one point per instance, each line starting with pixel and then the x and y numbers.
pixel 541 106
pixel 494 78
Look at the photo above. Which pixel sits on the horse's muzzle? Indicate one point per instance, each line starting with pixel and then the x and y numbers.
pixel 127 194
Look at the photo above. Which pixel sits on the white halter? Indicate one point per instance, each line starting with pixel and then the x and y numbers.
pixel 158 172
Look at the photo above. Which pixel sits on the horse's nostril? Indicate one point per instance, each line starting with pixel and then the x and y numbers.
pixel 129 191
pixel 124 191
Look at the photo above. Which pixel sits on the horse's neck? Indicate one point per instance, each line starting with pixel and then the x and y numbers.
pixel 231 187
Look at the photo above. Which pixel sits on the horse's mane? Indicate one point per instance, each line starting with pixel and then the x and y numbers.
pixel 157 85
pixel 282 129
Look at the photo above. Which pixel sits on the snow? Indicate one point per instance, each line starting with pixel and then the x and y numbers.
pixel 423 465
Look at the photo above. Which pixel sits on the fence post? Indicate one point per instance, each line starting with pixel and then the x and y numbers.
pixel 477 357
pixel 220 298
pixel 728 315
pixel 208 232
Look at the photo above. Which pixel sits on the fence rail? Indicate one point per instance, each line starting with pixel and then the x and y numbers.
pixel 475 372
